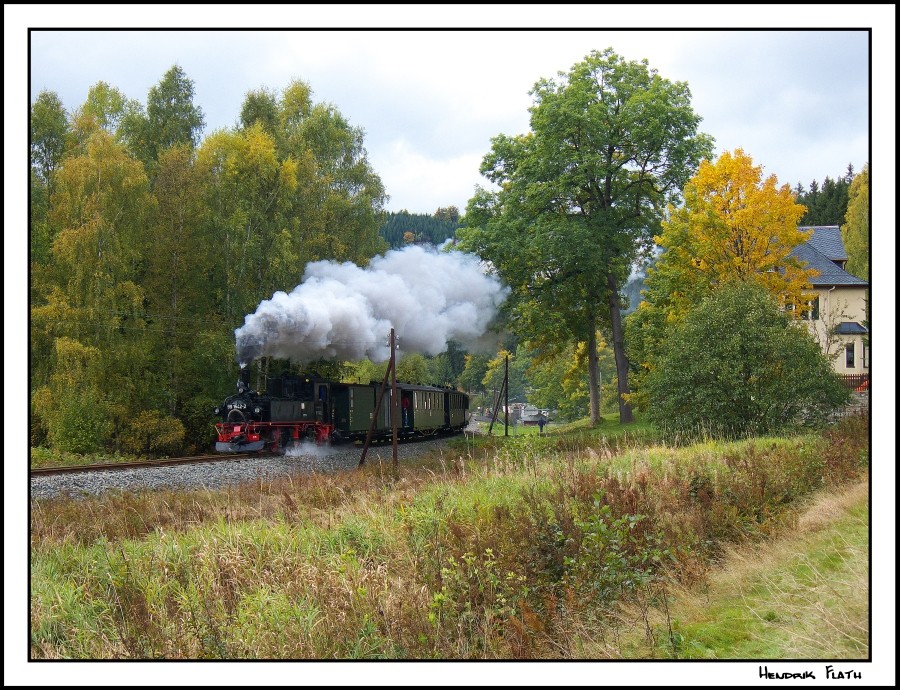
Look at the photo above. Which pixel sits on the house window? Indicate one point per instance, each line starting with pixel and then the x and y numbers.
pixel 814 310
pixel 865 356
pixel 848 350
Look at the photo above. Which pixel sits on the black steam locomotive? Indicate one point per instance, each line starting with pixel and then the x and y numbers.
pixel 296 408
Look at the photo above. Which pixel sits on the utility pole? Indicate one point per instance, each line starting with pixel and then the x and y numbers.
pixel 391 372
pixel 395 403
pixel 506 399
pixel 502 395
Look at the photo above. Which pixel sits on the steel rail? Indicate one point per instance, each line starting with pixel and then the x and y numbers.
pixel 136 464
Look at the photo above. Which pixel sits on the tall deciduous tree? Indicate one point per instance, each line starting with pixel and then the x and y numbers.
pixel 171 118
pixel 560 381
pixel 611 143
pixel 734 226
pixel 260 106
pixel 172 115
pixel 109 107
pixel 855 229
pixel 92 290
pixel 48 134
pixel 48 124
pixel 179 252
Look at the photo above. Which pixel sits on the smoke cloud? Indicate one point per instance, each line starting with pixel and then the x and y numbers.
pixel 342 311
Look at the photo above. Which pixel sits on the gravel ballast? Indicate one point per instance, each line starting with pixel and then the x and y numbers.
pixel 306 459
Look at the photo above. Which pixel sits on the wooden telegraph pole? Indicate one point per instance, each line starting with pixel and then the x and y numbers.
pixel 506 398
pixel 502 395
pixel 391 372
pixel 395 406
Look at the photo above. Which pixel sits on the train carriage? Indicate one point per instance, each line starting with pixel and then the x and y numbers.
pixel 296 408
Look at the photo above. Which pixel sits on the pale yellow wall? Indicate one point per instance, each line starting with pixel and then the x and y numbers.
pixel 837 305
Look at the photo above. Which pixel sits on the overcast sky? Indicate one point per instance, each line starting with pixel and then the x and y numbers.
pixel 796 101
pixel 794 98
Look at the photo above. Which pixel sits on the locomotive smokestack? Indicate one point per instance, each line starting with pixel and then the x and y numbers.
pixel 243 383
pixel 342 311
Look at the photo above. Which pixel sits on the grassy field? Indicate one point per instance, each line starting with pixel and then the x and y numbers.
pixel 575 544
pixel 801 595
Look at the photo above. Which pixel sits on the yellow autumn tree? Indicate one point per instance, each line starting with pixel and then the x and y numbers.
pixel 734 226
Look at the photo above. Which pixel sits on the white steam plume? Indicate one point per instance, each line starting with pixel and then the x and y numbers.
pixel 342 311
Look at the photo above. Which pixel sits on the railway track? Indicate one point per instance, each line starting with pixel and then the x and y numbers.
pixel 139 464
pixel 210 471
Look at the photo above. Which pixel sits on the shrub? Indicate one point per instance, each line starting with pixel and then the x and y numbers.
pixel 736 365
pixel 81 424
pixel 153 432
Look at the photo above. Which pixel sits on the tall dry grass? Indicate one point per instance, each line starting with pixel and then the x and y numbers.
pixel 524 553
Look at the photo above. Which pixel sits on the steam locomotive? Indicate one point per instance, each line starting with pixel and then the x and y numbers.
pixel 306 407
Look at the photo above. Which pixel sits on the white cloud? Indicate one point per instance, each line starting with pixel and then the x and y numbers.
pixel 420 183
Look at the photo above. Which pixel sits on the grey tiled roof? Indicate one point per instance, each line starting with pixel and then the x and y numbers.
pixel 827 239
pixel 851 328
pixel 810 253
pixel 829 272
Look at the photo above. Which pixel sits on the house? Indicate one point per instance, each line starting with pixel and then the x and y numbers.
pixel 837 315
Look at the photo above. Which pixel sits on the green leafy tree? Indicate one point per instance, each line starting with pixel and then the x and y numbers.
pixel 91 286
pixel 246 188
pixel 48 127
pixel 351 196
pixel 559 381
pixel 171 118
pixel 611 143
pixel 179 279
pixel 48 123
pixel 519 362
pixel 412 368
pixel 261 106
pixel 364 371
pixel 446 368
pixel 855 229
pixel 737 365
pixel 109 108
pixel 171 114
pixel 474 372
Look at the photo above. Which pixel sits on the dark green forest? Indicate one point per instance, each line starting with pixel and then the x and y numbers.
pixel 826 204
pixel 404 227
